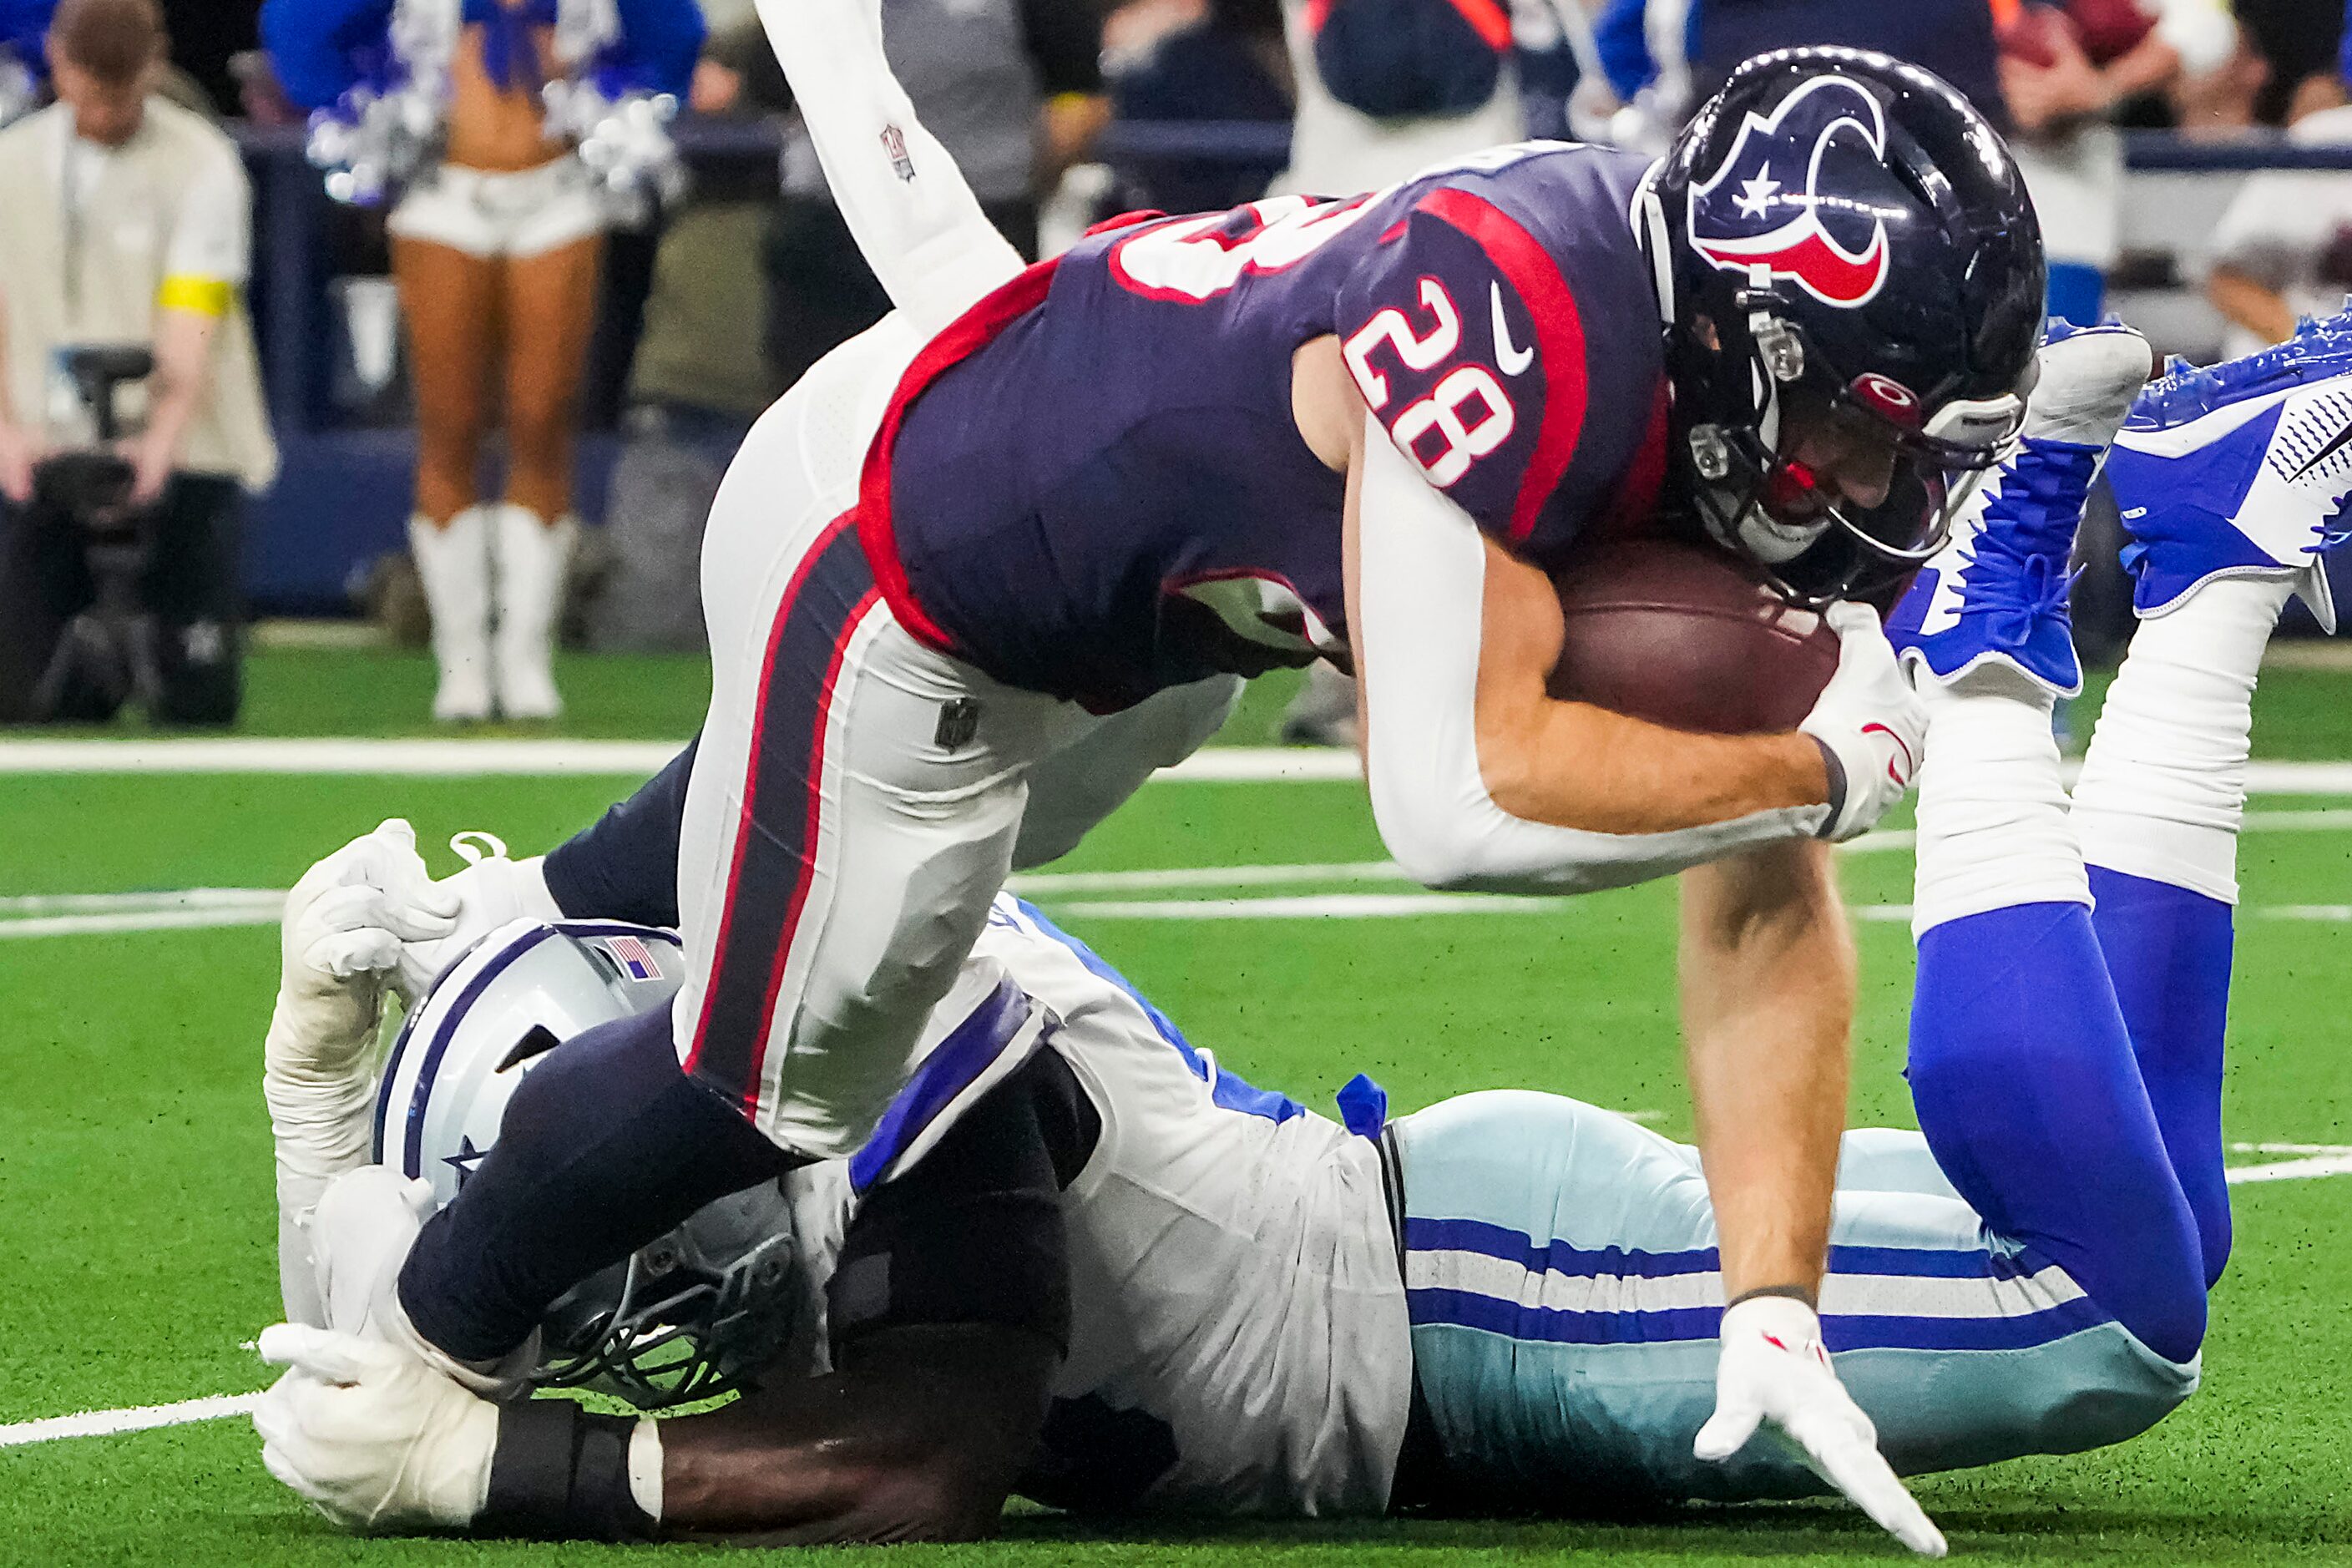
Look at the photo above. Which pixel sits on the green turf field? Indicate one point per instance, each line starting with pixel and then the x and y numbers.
pixel 136 1223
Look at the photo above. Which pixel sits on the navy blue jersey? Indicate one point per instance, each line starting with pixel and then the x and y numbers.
pixel 1093 486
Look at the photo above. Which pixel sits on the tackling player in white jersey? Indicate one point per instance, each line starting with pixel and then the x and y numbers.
pixel 1081 1262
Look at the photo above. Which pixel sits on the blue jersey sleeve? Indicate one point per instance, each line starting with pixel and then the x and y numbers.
pixel 1621 36
pixel 315 45
pixel 23 24
pixel 660 41
pixel 1466 341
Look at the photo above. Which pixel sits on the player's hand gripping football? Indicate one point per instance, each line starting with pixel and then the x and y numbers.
pixel 371 1435
pixel 1870 724
pixel 1774 1370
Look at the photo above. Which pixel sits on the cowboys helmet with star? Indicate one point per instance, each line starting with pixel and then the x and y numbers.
pixel 1840 238
pixel 691 1314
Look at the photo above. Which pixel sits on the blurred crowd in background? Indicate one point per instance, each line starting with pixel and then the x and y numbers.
pixel 552 217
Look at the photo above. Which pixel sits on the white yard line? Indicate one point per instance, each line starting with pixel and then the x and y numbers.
pixel 1053 883
pixel 2291 1148
pixel 75 915
pixel 549 757
pixel 1316 906
pixel 420 759
pixel 138 1419
pixel 141 920
pixel 2292 1170
pixel 140 903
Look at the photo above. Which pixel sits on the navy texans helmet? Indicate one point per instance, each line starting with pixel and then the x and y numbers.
pixel 1841 243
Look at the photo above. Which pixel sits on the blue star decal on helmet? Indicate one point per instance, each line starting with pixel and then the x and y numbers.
pixel 464 1161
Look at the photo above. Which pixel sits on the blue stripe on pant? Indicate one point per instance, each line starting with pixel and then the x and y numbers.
pixel 1561 1277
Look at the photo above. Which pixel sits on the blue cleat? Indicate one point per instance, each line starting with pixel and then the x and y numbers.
pixel 2240 471
pixel 1997 591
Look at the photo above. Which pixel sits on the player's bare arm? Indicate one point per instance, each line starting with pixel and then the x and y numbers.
pixel 1449 613
pixel 1571 765
pixel 919 1435
pixel 1767 958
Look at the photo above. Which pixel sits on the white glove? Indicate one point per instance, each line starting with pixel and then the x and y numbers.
pixel 1868 721
pixel 490 891
pixel 1775 1369
pixel 344 928
pixel 371 1435
pixel 360 1233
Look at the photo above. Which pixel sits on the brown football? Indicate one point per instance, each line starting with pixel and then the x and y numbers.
pixel 1683 635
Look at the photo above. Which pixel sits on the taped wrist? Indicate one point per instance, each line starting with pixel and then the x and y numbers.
pixel 1834 767
pixel 561 1473
pixel 1810 1298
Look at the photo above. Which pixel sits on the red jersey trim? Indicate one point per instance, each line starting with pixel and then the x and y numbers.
pixel 1637 493
pixel 962 338
pixel 1490 21
pixel 1559 336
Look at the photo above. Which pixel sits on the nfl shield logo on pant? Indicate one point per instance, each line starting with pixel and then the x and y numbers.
pixel 958 722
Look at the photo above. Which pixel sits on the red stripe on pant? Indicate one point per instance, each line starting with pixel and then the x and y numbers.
pixel 777 836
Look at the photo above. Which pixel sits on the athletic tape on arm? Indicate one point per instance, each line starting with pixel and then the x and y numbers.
pixel 201 296
pixel 915 220
pixel 1421 595
pixel 319 1086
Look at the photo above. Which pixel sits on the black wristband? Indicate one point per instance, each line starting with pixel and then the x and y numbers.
pixel 1793 1292
pixel 1836 771
pixel 561 1473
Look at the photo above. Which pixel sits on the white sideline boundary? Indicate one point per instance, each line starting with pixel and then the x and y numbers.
pixel 425 758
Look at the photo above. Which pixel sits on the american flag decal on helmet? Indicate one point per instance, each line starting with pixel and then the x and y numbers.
pixel 636 960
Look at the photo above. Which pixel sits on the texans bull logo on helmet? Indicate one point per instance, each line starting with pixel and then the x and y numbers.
pixel 1794 196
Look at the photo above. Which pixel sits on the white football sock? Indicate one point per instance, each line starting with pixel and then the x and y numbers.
pixel 1993 829
pixel 2164 786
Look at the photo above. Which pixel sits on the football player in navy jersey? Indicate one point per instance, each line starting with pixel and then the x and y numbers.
pixel 1081 1261
pixel 991 564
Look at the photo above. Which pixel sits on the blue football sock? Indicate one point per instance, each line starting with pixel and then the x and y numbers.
pixel 2030 1095
pixel 2169 951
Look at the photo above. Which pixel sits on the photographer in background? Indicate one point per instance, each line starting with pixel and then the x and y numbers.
pixel 127 225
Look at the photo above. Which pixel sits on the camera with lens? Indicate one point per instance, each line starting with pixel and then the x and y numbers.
pixel 96 605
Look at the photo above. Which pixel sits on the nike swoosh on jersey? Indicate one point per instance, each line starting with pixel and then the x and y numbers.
pixel 1511 357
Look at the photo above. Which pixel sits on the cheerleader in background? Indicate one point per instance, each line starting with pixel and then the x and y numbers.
pixel 515 131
